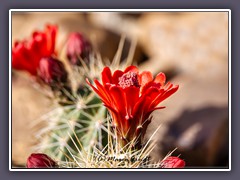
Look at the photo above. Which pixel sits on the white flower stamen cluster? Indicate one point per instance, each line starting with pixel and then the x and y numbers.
pixel 128 79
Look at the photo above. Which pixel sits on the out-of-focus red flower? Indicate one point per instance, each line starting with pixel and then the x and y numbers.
pixel 172 162
pixel 78 47
pixel 52 71
pixel 39 160
pixel 131 97
pixel 27 53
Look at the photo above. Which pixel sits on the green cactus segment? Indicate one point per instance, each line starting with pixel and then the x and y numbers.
pixel 86 118
pixel 80 115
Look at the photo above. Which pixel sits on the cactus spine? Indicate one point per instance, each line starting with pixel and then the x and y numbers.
pixel 85 115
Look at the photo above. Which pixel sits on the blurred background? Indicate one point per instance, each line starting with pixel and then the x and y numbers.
pixel 191 48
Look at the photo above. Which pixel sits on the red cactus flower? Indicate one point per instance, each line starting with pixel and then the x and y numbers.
pixel 131 97
pixel 27 54
pixel 78 47
pixel 39 160
pixel 172 162
pixel 52 71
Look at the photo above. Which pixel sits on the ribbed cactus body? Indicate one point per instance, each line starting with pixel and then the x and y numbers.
pixel 86 118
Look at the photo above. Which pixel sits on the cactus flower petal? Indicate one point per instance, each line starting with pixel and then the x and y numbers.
pixel 27 54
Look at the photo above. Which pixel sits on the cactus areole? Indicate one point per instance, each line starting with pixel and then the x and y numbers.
pixel 131 97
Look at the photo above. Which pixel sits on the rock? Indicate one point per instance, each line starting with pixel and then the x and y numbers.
pixel 180 41
pixel 28 104
pixel 189 42
pixel 193 49
pixel 195 121
pixel 121 25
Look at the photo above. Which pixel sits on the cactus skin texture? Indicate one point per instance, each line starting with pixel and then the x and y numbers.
pixel 86 118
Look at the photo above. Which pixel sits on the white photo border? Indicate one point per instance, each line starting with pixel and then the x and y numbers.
pixel 117 10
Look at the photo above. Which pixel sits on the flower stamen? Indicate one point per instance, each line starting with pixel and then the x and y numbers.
pixel 128 79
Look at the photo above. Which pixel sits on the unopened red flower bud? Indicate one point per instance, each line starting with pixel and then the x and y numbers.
pixel 52 71
pixel 39 160
pixel 173 162
pixel 78 47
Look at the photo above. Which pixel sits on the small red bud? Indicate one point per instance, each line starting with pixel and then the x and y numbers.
pixel 52 71
pixel 173 162
pixel 39 160
pixel 78 47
